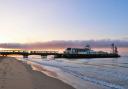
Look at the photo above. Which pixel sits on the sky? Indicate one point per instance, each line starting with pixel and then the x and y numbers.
pixel 29 21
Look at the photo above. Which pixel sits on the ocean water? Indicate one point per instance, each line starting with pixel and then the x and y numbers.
pixel 95 73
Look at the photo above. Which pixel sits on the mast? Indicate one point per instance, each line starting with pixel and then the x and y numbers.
pixel 116 51
pixel 113 48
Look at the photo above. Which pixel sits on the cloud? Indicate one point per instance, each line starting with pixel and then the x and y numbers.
pixel 64 44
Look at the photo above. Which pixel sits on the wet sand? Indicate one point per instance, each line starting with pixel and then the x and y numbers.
pixel 15 74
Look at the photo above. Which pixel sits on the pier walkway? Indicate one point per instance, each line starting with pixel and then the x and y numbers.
pixel 25 53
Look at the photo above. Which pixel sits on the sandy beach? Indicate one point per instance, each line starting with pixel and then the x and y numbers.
pixel 17 75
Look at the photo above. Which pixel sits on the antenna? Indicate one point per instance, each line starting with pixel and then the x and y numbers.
pixel 88 46
pixel 113 48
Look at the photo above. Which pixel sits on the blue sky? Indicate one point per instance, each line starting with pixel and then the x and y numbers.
pixel 26 21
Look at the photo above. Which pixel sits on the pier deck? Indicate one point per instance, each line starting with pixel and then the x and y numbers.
pixel 25 54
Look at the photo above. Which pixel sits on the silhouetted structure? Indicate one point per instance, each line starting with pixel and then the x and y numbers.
pixel 114 49
pixel 68 53
pixel 88 46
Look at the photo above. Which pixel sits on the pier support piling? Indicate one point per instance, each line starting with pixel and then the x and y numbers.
pixel 43 56
pixel 25 56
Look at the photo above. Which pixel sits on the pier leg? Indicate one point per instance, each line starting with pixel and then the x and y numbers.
pixel 43 56
pixel 25 56
pixel 4 55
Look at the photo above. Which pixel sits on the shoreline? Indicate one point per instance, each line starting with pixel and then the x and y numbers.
pixel 14 74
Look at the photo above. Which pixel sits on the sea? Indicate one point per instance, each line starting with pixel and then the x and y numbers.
pixel 87 73
pixel 95 73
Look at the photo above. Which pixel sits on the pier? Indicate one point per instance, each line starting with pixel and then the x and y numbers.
pixel 86 52
pixel 25 54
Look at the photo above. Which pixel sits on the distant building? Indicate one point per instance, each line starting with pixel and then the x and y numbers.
pixel 88 50
pixel 79 51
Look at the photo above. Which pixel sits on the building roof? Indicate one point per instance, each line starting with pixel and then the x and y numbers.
pixel 78 48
